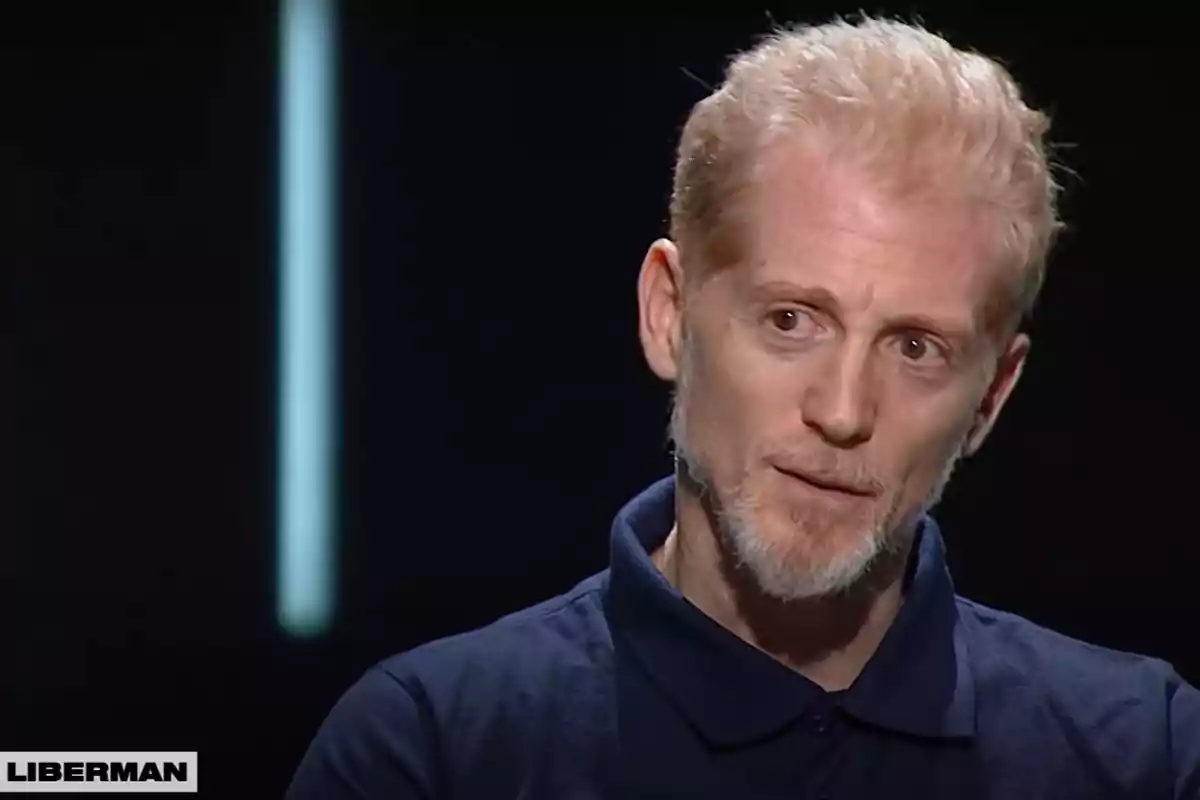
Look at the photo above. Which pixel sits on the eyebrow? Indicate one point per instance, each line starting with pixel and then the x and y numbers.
pixel 961 332
pixel 956 332
pixel 815 295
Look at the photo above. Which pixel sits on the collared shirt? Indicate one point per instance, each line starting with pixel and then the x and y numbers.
pixel 621 688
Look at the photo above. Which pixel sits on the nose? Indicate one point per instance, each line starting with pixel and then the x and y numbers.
pixel 840 403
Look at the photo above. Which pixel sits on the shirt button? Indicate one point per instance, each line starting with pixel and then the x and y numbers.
pixel 820 724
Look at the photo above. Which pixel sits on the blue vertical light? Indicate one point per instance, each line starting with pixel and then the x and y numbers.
pixel 307 347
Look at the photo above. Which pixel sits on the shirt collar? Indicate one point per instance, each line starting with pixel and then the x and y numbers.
pixel 918 681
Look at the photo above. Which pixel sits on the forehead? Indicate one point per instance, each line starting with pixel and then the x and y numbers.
pixel 831 227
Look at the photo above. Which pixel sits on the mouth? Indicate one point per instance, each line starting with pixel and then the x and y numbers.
pixel 828 483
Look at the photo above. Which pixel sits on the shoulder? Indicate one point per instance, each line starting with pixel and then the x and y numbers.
pixel 563 633
pixel 1107 705
pixel 477 702
pixel 522 674
pixel 1009 647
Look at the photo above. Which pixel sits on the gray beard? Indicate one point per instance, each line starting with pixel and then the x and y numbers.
pixel 754 554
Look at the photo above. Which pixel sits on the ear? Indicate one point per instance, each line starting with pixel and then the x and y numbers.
pixel 1008 372
pixel 660 308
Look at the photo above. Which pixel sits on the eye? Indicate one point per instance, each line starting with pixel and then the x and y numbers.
pixel 791 320
pixel 920 349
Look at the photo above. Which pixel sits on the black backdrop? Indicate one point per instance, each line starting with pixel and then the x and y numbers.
pixel 501 178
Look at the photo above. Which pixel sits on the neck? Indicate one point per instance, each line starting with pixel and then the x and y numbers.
pixel 829 640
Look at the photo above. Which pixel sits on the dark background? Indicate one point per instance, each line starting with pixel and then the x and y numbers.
pixel 501 178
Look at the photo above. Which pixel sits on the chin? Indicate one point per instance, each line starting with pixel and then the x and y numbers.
pixel 797 552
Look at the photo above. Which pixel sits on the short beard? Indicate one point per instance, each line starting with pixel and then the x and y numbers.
pixel 753 555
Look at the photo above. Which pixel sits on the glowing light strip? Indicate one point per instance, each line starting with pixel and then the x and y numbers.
pixel 306 566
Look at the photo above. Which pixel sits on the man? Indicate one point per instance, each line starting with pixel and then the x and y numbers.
pixel 861 217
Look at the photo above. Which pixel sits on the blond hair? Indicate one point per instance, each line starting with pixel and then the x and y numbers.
pixel 902 102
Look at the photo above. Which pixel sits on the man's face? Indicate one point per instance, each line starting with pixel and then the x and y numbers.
pixel 827 384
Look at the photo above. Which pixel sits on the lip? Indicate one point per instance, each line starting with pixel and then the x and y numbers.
pixel 826 484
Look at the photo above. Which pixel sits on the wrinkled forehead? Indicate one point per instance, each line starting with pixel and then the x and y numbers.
pixel 840 227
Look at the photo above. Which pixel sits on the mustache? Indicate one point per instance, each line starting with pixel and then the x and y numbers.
pixel 828 471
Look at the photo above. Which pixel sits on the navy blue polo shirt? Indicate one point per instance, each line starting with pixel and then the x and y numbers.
pixel 621 688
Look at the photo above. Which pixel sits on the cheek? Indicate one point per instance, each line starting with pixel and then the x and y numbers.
pixel 929 442
pixel 730 407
